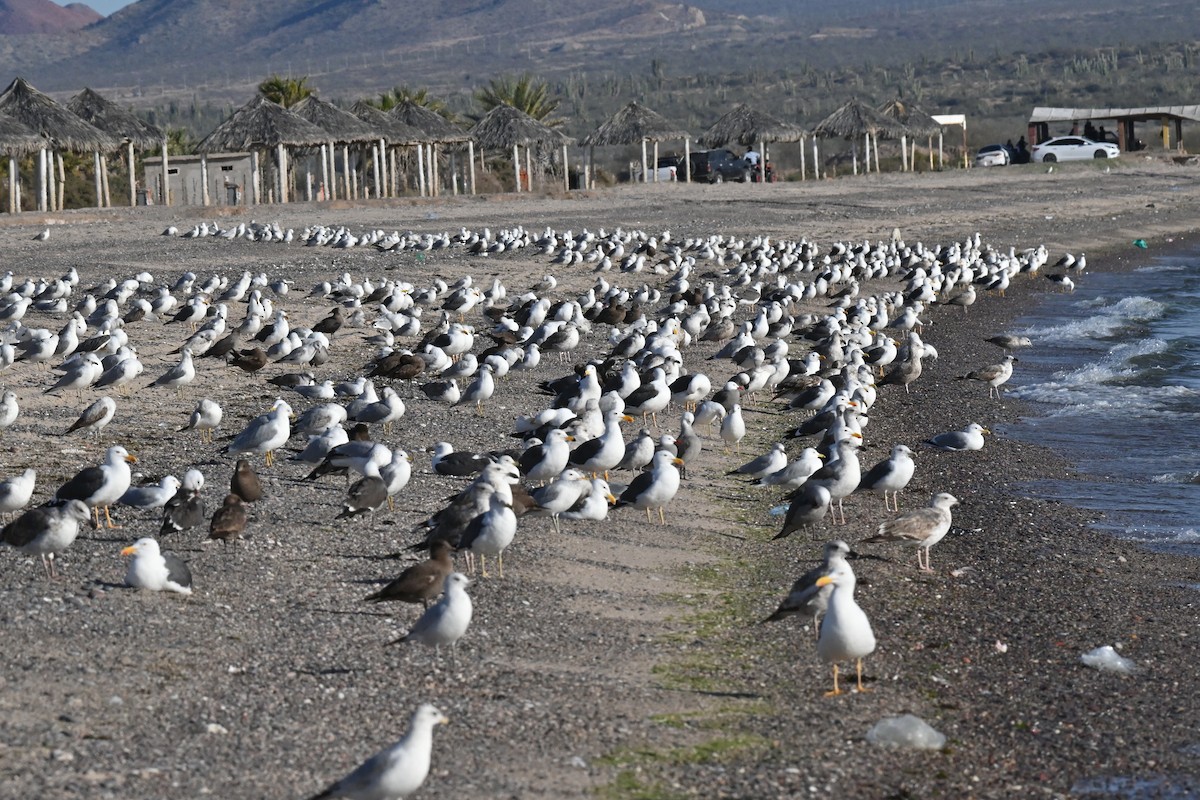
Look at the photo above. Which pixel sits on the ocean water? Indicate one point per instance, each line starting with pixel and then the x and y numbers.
pixel 1113 380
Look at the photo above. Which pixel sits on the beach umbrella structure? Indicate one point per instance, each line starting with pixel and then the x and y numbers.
pixel 18 140
pixel 343 128
pixel 262 125
pixel 637 124
pixel 396 135
pixel 437 130
pixel 127 128
pixel 749 127
pixel 855 120
pixel 916 123
pixel 65 131
pixel 509 128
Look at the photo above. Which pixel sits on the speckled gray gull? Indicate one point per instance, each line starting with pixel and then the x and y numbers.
pixel 922 528
pixel 890 476
pixel 969 438
pixel 395 772
pixel 845 633
pixel 156 571
pixel 994 375
pixel 447 620
pixel 95 417
pixel 46 531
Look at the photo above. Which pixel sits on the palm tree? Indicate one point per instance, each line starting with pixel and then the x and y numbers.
pixel 405 93
pixel 525 93
pixel 285 91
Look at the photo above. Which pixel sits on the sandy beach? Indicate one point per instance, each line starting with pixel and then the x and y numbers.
pixel 616 659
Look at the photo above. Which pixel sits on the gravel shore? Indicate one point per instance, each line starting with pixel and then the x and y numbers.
pixel 616 659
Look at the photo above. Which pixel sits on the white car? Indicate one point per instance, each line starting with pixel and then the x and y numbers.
pixel 994 155
pixel 1073 148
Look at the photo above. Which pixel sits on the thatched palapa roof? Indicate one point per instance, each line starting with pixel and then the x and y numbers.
pixel 117 122
pixel 854 119
pixel 392 129
pixel 914 119
pixel 505 126
pixel 25 104
pixel 261 124
pixel 340 126
pixel 747 127
pixel 435 127
pixel 632 124
pixel 18 139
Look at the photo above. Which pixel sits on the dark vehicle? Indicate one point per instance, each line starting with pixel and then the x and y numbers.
pixel 718 166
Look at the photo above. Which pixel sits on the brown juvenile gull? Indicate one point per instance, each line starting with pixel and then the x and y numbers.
pixel 922 528
pixel 154 570
pixel 397 771
pixel 245 483
pixel 46 531
pixel 229 521
pixel 421 582
pixel 994 375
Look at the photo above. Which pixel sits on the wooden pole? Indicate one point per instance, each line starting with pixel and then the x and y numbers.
pixel 255 181
pixel 471 160
pixel 132 174
pixel 762 161
pixel 104 180
pixel 875 141
pixel 591 168
pixel 205 195
pixel 52 181
pixel 645 175
pixel 854 154
pixel 803 166
pixel 941 151
pixel 567 171
pixel 687 160
pixel 528 169
pixel 347 190
pixel 284 193
pixel 421 168
pixel 517 167
pixel 12 185
pixel 904 152
pixel 381 170
pixel 62 182
pixel 42 182
pixel 816 161
pixel 435 178
pixel 166 199
pixel 96 180
pixel 655 161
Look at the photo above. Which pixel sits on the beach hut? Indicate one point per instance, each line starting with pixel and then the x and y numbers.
pixel 916 123
pixel 637 124
pixel 65 131
pixel 18 140
pixel 393 135
pixel 263 125
pixel 342 128
pixel 126 127
pixel 437 130
pixel 505 127
pixel 749 127
pixel 855 120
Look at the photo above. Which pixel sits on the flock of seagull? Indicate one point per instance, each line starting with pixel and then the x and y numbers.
pixel 816 332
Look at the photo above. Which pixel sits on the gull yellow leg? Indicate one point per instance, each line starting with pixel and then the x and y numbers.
pixel 861 688
pixel 836 691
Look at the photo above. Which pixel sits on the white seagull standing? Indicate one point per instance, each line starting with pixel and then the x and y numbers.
pixel 446 621
pixel 265 433
pixel 845 631
pixel 921 528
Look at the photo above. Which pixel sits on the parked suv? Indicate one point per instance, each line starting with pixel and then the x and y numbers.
pixel 717 166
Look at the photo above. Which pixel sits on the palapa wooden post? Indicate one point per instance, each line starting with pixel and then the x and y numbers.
pixel 421 168
pixel 566 170
pixel 43 196
pixel 875 142
pixel 205 197
pixel 62 182
pixel 816 161
pixel 903 152
pixel 471 161
pixel 655 161
pixel 381 172
pixel 166 176
pixel 687 159
pixel 12 185
pixel 528 169
pixel 255 185
pixel 132 174
pixel 803 166
pixel 283 172
pixel 762 161
pixel 645 175
pixel 104 180
pixel 517 167
pixel 96 179
pixel 347 185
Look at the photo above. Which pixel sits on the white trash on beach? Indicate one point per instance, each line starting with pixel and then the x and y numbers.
pixel 1107 659
pixel 906 731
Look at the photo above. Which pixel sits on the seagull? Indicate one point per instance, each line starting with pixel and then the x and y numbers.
pixel 890 475
pixel 9 410
pixel 733 428
pixel 229 521
pixel 205 419
pixel 845 631
pixel 95 417
pixel 154 570
pixel 397 771
pixel 810 503
pixel 922 527
pixel 969 438
pixel 186 509
pixel 595 504
pixel 654 488
pixel 1008 341
pixel 149 497
pixel 179 375
pixel 796 472
pixel 100 487
pixel 447 461
pixel 805 597
pixel 446 621
pixel 480 390
pixel 421 582
pixel 841 475
pixel 15 493
pixel 245 483
pixel 994 375
pixel 491 532
pixel 265 433
pixel 46 531
pixel 544 461
pixel 81 374
pixel 562 494
pixel 772 461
